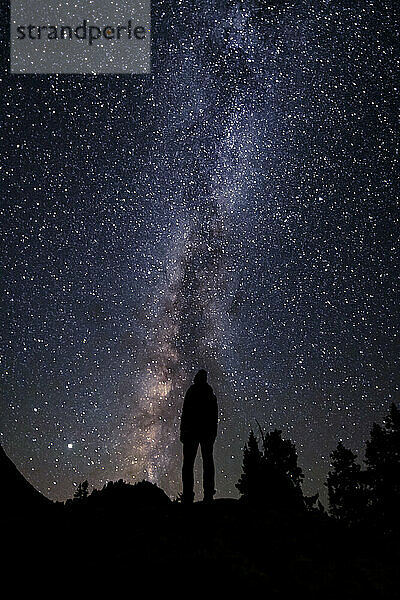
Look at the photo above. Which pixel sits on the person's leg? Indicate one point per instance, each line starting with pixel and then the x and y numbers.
pixel 208 468
pixel 189 456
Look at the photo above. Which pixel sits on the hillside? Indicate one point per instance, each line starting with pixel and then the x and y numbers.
pixel 17 493
pixel 125 536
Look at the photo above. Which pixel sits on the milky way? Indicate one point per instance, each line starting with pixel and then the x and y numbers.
pixel 234 210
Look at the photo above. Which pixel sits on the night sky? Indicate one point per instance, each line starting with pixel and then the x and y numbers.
pixel 234 210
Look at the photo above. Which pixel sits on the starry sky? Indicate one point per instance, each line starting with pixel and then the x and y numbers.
pixel 235 210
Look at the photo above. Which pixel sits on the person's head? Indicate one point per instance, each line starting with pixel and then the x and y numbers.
pixel 201 376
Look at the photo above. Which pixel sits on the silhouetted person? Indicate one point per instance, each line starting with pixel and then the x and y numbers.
pixel 199 426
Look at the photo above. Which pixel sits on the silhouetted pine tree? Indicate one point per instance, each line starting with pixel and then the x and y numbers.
pixel 382 457
pixel 271 476
pixel 281 456
pixel 82 491
pixel 252 482
pixel 346 488
pixel 284 474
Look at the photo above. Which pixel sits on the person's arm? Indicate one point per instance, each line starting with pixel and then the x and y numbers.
pixel 183 426
pixel 215 416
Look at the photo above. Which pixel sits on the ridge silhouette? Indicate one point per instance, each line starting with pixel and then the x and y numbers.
pixel 17 493
pixel 280 548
